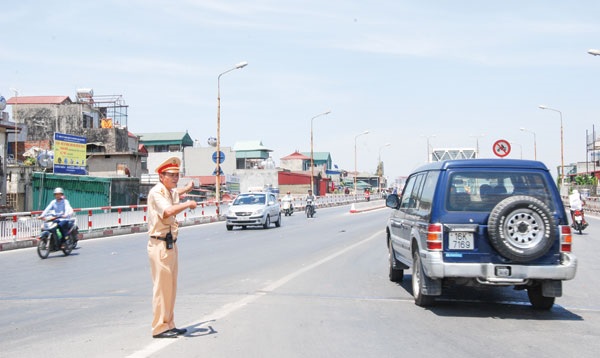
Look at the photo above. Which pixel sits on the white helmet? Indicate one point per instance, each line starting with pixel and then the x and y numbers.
pixel 58 190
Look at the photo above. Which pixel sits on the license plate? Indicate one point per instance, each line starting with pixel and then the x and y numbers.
pixel 459 240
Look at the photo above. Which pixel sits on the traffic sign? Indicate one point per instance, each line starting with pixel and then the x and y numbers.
pixel 501 148
pixel 221 157
pixel 220 171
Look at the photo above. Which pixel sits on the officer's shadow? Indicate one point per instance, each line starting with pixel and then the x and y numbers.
pixel 197 330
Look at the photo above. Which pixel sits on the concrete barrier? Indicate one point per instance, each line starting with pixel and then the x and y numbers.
pixel 362 206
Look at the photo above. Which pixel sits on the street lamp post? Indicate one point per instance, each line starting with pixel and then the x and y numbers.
pixel 594 52
pixel 562 145
pixel 16 91
pixel 380 169
pixel 477 136
pixel 534 142
pixel 355 167
pixel 218 169
pixel 428 136
pixel 312 164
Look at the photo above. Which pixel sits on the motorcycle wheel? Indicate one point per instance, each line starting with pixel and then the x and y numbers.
pixel 43 248
pixel 68 247
pixel 74 240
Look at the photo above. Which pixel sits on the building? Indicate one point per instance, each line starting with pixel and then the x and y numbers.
pixel 163 145
pixel 102 119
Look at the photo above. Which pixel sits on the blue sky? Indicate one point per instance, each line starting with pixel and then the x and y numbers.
pixel 461 71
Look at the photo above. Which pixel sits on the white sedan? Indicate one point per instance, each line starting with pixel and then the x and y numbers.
pixel 254 209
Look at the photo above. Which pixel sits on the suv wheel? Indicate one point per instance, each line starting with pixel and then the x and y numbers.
pixel 539 301
pixel 522 228
pixel 396 274
pixel 418 282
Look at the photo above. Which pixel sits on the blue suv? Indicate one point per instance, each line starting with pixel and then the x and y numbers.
pixel 481 222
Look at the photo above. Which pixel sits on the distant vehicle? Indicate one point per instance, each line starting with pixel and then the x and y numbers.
pixel 50 238
pixel 481 222
pixel 254 209
pixel 310 208
pixel 287 207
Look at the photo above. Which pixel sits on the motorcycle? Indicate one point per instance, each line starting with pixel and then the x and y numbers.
pixel 51 240
pixel 288 208
pixel 310 208
pixel 578 223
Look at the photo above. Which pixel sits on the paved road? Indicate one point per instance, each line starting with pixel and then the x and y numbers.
pixel 312 288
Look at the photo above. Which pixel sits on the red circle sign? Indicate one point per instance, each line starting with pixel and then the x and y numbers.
pixel 501 148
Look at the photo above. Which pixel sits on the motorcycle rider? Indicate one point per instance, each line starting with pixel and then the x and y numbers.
pixel 60 208
pixel 576 202
pixel 287 201
pixel 310 196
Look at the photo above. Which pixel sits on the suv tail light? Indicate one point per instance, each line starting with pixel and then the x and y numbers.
pixel 565 238
pixel 434 237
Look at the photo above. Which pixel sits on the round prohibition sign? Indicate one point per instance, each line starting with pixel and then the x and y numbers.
pixel 501 148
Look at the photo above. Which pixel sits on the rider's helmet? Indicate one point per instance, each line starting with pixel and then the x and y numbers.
pixel 58 190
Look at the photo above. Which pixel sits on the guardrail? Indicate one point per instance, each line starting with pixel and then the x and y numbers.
pixel 111 220
pixel 23 225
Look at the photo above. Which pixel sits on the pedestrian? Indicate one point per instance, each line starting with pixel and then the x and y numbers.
pixel 163 206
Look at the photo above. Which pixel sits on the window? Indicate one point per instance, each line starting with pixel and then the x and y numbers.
pixel 483 190
pixel 410 196
pixel 426 200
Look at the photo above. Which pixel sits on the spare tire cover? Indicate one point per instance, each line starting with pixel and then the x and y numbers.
pixel 522 228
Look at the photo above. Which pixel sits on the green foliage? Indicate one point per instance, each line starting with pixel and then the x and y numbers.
pixel 586 180
pixel 29 161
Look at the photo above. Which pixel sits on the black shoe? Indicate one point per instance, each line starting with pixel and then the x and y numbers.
pixel 166 334
pixel 179 331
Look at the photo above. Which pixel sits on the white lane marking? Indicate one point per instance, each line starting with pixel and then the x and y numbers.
pixel 228 308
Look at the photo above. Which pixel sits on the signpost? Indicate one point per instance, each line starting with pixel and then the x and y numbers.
pixel 220 171
pixel 501 148
pixel 69 154
pixel 221 157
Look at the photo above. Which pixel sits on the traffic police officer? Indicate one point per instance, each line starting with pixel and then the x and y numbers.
pixel 163 206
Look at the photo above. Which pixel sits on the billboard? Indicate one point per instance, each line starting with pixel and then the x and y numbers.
pixel 69 154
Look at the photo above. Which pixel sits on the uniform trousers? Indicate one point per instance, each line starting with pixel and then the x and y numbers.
pixel 163 267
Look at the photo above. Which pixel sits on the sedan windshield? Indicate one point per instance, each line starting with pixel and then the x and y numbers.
pixel 254 199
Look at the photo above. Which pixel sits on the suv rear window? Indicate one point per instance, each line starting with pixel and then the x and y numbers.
pixel 482 190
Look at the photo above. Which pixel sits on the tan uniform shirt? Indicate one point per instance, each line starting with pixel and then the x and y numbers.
pixel 159 199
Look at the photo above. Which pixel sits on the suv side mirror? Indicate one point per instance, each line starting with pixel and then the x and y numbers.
pixel 392 201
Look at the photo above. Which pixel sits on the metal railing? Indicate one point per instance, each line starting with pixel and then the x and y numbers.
pixel 23 225
pixel 27 225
